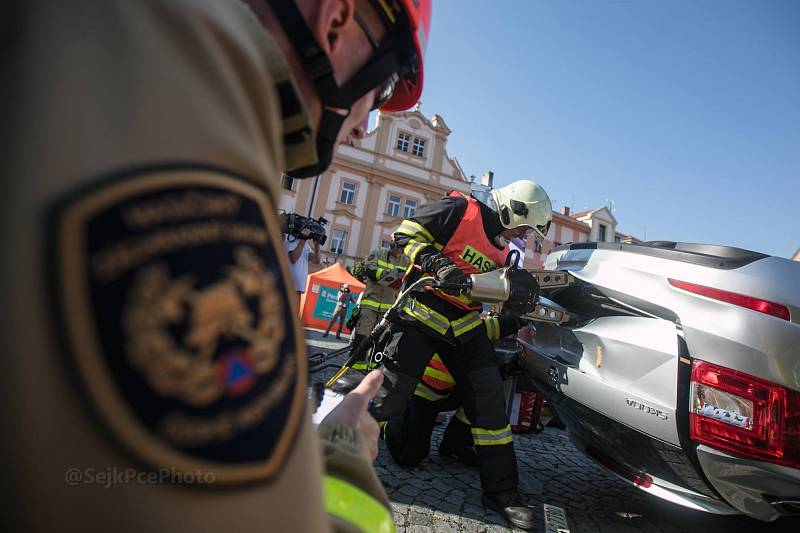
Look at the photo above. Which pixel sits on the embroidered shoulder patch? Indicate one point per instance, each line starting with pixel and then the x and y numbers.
pixel 173 301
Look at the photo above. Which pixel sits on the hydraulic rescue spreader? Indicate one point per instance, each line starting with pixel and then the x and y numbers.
pixel 496 287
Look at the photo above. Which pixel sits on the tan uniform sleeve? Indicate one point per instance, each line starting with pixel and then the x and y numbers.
pixel 345 461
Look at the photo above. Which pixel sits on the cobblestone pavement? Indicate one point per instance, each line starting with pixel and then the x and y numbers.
pixel 442 496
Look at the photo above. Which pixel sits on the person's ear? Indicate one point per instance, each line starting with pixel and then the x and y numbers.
pixel 334 19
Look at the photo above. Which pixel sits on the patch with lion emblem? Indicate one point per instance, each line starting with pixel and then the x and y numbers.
pixel 173 302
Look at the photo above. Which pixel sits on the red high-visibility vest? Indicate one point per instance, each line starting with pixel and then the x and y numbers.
pixel 471 250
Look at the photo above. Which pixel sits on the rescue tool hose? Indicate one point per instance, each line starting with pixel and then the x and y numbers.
pixel 376 333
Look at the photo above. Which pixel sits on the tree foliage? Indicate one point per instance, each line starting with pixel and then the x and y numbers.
pixel 358 271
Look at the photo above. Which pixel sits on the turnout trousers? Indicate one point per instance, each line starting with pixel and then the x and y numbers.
pixel 408 436
pixel 480 392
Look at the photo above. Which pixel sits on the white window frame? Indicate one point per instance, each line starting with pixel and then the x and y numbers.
pixel 341 240
pixel 418 148
pixel 347 196
pixel 389 205
pixel 403 141
pixel 407 208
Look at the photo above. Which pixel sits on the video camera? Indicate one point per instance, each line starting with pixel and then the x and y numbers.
pixel 301 227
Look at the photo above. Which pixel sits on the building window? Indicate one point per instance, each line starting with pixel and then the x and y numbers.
pixel 338 241
pixel 403 140
pixel 537 246
pixel 419 147
pixel 409 208
pixel 393 207
pixel 348 193
pixel 617 238
pixel 601 233
pixel 288 183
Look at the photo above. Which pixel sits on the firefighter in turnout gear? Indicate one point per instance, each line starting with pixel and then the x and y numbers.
pixel 408 436
pixel 450 239
pixel 384 270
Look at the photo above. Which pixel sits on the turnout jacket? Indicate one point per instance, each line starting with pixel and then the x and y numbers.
pixel 463 229
pixel 378 266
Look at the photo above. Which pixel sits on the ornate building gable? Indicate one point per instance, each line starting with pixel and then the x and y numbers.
pixel 375 182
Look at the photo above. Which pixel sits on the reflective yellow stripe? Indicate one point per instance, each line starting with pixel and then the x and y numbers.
pixel 375 305
pixel 492 328
pixel 442 376
pixel 356 507
pixel 409 227
pixel 491 437
pixel 379 273
pixel 387 265
pixel 466 300
pixel 466 323
pixel 413 248
pixel 462 416
pixel 426 393
pixel 382 426
pixel 361 365
pixel 437 322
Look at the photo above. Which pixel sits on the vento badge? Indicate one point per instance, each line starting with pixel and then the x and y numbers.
pixel 174 305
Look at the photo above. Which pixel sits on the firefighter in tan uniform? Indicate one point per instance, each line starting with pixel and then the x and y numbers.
pixel 384 270
pixel 156 375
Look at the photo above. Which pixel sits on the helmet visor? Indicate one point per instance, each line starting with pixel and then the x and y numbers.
pixel 540 231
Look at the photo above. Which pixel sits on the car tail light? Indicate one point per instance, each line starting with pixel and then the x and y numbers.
pixel 743 414
pixel 756 304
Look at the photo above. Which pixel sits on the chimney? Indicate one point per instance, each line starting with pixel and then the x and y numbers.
pixel 488 178
pixel 565 210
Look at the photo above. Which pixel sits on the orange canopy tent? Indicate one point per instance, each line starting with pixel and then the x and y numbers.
pixel 319 301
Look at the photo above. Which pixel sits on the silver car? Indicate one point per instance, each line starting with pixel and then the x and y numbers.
pixel 678 368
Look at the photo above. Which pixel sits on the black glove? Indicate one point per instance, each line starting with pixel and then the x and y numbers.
pixel 524 293
pixel 447 273
pixel 353 320
pixel 509 325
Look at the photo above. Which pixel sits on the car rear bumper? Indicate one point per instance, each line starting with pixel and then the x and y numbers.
pixel 762 490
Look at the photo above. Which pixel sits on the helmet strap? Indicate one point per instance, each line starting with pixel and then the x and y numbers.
pixel 317 66
pixel 327 134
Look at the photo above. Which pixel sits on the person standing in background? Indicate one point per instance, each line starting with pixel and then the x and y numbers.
pixel 300 253
pixel 343 301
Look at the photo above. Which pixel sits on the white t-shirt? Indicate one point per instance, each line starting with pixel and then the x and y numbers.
pixel 299 270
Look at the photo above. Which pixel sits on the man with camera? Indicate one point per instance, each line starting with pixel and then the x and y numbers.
pixel 300 253
pixel 152 326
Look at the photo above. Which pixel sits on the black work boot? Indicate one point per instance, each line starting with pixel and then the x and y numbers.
pixel 463 454
pixel 510 504
pixel 349 381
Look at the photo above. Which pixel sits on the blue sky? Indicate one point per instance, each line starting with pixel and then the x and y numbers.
pixel 685 113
